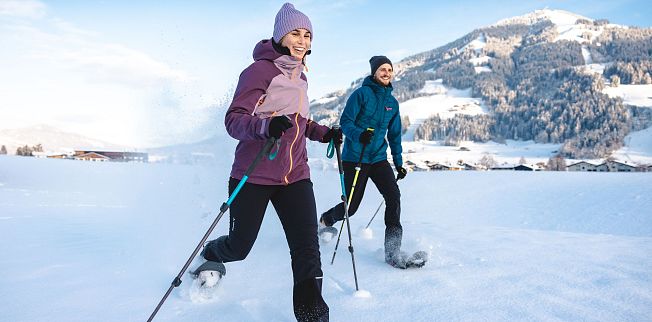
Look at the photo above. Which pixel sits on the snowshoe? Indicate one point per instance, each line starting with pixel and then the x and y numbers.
pixel 326 233
pixel 417 260
pixel 403 261
pixel 209 273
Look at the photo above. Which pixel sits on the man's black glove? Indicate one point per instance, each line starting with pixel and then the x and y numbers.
pixel 365 137
pixel 402 172
pixel 278 125
pixel 334 134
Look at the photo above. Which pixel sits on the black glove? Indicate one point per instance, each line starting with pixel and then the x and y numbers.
pixel 334 134
pixel 365 137
pixel 278 125
pixel 402 172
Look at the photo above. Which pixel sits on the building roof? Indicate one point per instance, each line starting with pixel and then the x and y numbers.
pixel 92 155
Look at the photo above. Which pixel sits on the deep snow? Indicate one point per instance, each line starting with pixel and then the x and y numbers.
pixel 84 241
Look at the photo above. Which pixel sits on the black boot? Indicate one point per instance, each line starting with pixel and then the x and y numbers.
pixel 309 305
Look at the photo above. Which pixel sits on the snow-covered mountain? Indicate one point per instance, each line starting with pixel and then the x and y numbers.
pixel 541 77
pixel 52 139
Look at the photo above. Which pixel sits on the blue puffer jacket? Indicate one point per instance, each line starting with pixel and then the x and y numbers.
pixel 372 106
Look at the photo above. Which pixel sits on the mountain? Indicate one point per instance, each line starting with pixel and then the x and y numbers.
pixel 541 76
pixel 51 139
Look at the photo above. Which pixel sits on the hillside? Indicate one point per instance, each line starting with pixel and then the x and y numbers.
pixel 52 140
pixel 543 76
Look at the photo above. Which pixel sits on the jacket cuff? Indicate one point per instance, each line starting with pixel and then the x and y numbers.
pixel 398 161
pixel 264 128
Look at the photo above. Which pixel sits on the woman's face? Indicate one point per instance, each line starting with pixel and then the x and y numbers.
pixel 384 74
pixel 298 41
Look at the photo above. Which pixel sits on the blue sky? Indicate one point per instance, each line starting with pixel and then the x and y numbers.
pixel 153 69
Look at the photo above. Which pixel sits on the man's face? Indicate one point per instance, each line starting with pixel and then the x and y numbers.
pixel 384 74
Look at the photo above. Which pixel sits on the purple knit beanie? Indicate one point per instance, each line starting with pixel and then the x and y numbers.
pixel 288 19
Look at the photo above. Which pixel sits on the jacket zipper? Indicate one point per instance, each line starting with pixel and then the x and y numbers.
pixel 296 135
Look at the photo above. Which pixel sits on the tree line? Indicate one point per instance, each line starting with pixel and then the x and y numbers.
pixel 25 150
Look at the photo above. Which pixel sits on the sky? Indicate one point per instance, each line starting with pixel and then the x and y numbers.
pixel 152 73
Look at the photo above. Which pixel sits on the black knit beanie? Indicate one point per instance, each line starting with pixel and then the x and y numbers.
pixel 377 61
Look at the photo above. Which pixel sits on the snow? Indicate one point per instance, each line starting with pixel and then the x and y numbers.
pixel 637 149
pixel 593 68
pixel 85 241
pixel 557 17
pixel 588 60
pixel 477 44
pixel 565 23
pixel 51 139
pixel 324 100
pixel 482 69
pixel 482 60
pixel 508 153
pixel 639 95
pixel 446 102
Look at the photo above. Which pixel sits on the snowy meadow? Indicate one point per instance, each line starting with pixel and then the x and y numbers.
pixel 82 241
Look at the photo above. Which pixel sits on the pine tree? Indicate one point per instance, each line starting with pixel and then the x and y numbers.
pixel 3 150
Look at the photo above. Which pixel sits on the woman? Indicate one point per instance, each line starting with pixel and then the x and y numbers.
pixel 271 101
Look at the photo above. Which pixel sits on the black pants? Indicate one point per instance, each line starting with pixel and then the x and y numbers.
pixel 382 175
pixel 295 206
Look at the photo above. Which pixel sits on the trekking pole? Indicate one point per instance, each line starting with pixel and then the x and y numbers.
pixel 346 208
pixel 374 216
pixel 225 206
pixel 347 203
pixel 377 209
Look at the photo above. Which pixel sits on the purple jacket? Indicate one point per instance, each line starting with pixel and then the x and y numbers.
pixel 273 85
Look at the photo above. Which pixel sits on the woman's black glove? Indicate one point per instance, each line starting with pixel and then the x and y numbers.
pixel 334 134
pixel 365 137
pixel 278 125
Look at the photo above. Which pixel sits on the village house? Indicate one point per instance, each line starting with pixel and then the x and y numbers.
pixel 503 167
pixel 469 166
pixel 437 166
pixel 607 166
pixel 524 167
pixel 101 156
pixel 582 166
pixel 617 166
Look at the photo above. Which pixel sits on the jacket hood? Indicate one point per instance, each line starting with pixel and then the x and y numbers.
pixel 265 51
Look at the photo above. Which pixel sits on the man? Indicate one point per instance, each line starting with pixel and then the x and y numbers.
pixel 370 114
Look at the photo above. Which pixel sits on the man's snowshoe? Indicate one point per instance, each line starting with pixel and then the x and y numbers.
pixel 417 260
pixel 403 261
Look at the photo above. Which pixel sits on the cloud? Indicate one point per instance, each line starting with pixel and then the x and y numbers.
pixel 57 73
pixel 22 8
pixel 79 50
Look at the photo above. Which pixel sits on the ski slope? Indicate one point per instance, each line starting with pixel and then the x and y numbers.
pixel 82 241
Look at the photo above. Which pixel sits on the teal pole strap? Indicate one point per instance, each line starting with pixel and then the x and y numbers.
pixel 330 151
pixel 272 155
